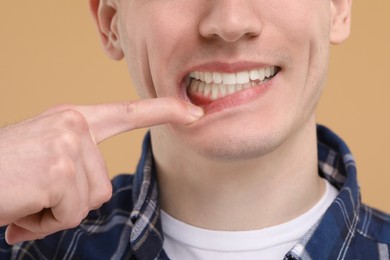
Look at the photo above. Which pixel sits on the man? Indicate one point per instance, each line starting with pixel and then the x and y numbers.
pixel 234 166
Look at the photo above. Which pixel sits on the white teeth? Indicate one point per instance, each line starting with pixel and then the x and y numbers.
pixel 201 87
pixel 267 72
pixel 231 89
pixel 194 85
pixel 242 77
pixel 247 85
pixel 207 90
pixel 217 77
pixel 222 90
pixel 202 76
pixel 261 75
pixel 197 75
pixel 229 78
pixel 214 93
pixel 208 77
pixel 254 74
pixel 216 85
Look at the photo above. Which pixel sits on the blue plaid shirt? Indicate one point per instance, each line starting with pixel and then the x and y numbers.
pixel 129 227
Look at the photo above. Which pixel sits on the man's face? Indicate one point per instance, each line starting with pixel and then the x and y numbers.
pixel 256 66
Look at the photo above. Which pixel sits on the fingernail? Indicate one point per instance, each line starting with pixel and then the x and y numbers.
pixel 196 111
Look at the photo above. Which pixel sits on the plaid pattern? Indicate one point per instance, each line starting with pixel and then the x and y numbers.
pixel 129 227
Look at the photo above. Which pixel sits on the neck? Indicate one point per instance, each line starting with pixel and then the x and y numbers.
pixel 240 195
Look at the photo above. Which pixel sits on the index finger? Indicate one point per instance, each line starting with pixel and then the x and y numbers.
pixel 111 119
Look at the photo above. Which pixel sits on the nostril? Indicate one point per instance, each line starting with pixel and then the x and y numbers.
pixel 230 22
pixel 229 35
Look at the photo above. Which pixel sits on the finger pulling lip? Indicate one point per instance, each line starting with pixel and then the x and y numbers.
pixel 217 87
pixel 233 100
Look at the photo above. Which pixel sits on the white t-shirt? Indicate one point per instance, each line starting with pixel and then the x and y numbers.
pixel 183 241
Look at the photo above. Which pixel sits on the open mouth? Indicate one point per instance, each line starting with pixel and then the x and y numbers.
pixel 206 87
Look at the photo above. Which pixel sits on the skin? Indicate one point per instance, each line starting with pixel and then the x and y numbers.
pixel 52 172
pixel 268 166
pixel 245 156
pixel 230 32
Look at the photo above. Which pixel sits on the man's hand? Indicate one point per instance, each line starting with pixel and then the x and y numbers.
pixel 51 170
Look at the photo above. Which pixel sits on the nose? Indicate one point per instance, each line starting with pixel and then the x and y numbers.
pixel 230 20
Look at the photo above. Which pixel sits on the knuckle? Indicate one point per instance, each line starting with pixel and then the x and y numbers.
pixel 84 212
pixel 62 167
pixel 105 193
pixel 74 120
pixel 97 206
pixel 79 217
pixel 102 195
pixel 74 222
pixel 67 142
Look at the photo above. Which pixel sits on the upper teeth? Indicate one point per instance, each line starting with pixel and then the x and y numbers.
pixel 242 77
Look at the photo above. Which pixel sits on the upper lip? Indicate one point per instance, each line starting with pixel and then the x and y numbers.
pixel 227 67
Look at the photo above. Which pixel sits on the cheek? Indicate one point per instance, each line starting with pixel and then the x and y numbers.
pixel 160 45
pixel 133 45
pixel 169 46
pixel 318 58
pixel 148 36
pixel 303 24
pixel 305 38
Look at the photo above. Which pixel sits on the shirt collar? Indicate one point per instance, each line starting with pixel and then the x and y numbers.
pixel 330 237
pixel 146 237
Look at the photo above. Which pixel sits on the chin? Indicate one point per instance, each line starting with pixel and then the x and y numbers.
pixel 229 145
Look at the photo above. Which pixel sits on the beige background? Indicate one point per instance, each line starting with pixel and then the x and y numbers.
pixel 50 54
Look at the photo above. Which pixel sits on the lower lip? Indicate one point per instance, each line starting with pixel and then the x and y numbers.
pixel 234 100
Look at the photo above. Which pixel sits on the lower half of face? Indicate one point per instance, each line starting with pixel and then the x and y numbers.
pixel 252 122
pixel 251 115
